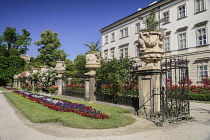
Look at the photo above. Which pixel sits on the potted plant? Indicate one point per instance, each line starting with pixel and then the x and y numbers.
pixel 93 57
pixel 151 40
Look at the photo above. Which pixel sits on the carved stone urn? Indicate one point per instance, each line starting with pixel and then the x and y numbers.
pixel 92 62
pixel 60 67
pixel 151 47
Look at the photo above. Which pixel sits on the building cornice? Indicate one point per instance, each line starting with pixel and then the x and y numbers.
pixel 135 15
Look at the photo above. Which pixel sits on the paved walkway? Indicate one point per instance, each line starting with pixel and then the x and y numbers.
pixel 13 126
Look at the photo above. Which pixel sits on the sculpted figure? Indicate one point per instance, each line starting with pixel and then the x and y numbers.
pixel 150 41
pixel 60 65
pixel 93 59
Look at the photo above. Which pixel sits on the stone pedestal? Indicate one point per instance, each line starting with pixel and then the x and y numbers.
pixel 90 87
pixel 92 64
pixel 15 81
pixel 60 82
pixel 151 53
pixel 149 93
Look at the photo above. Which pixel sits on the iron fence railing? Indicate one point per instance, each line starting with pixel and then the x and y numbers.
pixel 75 90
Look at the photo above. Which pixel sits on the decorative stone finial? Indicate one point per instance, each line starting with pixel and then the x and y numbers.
pixel 151 44
pixel 60 67
pixel 92 62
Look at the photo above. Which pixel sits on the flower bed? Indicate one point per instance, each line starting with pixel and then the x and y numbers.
pixel 9 88
pixel 63 105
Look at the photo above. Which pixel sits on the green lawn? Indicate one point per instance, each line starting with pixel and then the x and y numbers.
pixel 38 113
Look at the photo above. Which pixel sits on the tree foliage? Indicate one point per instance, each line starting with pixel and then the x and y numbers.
pixel 10 66
pixel 79 64
pixel 48 49
pixel 93 47
pixel 13 43
pixel 117 75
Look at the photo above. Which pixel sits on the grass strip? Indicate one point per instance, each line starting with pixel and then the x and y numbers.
pixel 38 113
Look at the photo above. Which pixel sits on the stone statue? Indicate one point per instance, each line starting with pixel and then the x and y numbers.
pixel 93 58
pixel 92 62
pixel 150 44
pixel 151 41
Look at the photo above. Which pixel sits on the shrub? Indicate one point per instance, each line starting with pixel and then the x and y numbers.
pixel 9 84
pixel 29 87
pixel 206 81
pixel 200 97
pixel 185 80
pixel 52 89
pixel 37 87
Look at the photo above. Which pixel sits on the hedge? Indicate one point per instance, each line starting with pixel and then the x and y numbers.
pixel 200 97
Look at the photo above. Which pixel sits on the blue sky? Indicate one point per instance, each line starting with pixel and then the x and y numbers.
pixel 77 22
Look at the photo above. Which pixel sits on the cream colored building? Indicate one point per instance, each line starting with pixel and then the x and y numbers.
pixel 187 34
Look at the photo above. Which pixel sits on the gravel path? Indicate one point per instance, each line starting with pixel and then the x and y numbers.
pixel 13 126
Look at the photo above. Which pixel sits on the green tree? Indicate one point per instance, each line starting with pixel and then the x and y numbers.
pixel 14 43
pixel 10 66
pixel 48 49
pixel 79 64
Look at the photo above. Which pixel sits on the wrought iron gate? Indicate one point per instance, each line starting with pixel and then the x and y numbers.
pixel 174 90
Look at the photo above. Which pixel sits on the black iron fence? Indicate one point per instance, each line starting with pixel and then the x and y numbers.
pixel 175 88
pixel 128 94
pixel 75 90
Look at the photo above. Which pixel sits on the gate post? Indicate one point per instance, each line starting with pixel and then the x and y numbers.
pixel 60 69
pixel 92 63
pixel 149 92
pixel 150 44
pixel 90 87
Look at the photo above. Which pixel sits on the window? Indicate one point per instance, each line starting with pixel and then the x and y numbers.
pixel 112 53
pixel 106 55
pixel 124 33
pixel 166 46
pixel 166 17
pixel 201 36
pixel 113 37
pixel 203 72
pixel 182 11
pixel 121 33
pixel 124 52
pixel 199 5
pixel 121 53
pixel 106 39
pixel 182 40
pixel 137 27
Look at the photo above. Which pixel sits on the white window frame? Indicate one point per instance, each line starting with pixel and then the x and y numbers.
pixel 203 73
pixel 106 39
pixel 138 28
pixel 124 52
pixel 124 33
pixel 181 40
pixel 199 7
pixel 113 37
pixel 112 53
pixel 167 44
pixel 106 55
pixel 183 12
pixel 203 36
pixel 166 17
